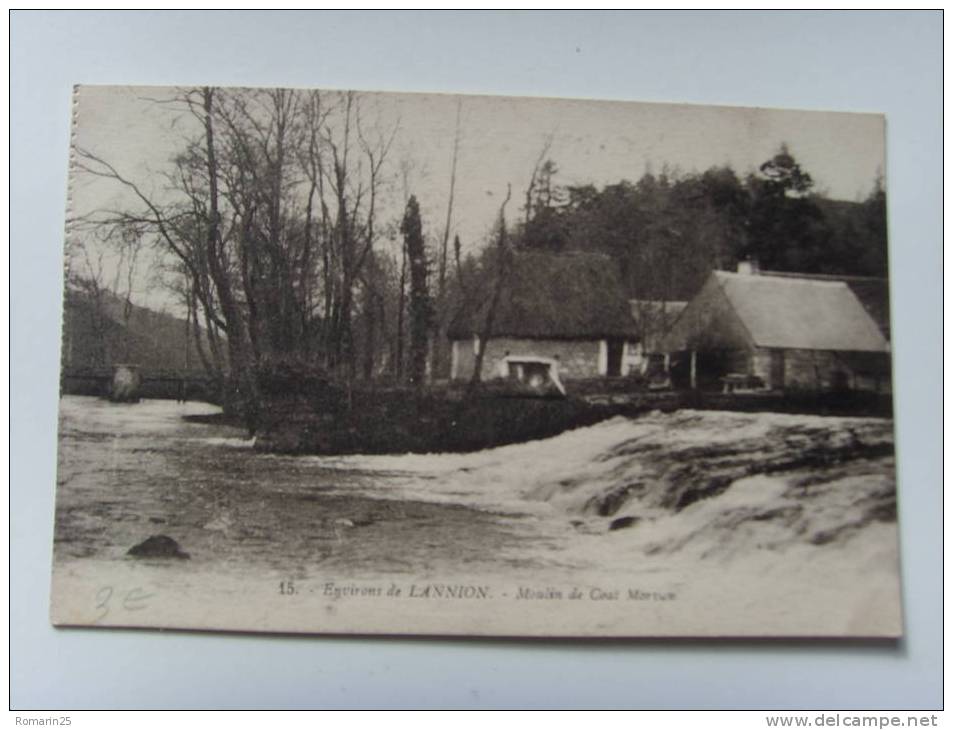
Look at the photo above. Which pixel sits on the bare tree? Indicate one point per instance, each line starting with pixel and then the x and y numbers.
pixel 534 178
pixel 189 227
pixel 129 247
pixel 349 167
pixel 270 209
pixel 442 308
pixel 500 256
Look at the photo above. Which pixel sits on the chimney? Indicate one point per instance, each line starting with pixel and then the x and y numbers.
pixel 748 267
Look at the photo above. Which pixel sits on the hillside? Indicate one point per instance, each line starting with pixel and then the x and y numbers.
pixel 97 335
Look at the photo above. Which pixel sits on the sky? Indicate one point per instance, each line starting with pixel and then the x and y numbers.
pixel 501 138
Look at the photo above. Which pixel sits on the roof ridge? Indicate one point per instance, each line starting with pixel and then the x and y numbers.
pixel 820 277
pixel 792 279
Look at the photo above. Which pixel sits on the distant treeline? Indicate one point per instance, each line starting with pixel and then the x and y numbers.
pixel 667 231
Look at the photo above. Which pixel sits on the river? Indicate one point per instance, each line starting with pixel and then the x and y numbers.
pixel 130 471
pixel 732 524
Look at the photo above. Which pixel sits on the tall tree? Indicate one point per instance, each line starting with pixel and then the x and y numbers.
pixel 500 262
pixel 421 308
pixel 782 175
pixel 786 228
pixel 544 223
pixel 439 352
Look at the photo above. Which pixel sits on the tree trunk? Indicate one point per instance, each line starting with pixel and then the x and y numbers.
pixel 241 391
pixel 438 364
pixel 487 331
pixel 369 336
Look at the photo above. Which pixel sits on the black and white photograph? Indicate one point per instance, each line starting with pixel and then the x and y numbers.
pixel 347 362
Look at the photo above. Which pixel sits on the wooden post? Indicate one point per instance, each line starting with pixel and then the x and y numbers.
pixel 603 363
pixel 454 360
pixel 693 371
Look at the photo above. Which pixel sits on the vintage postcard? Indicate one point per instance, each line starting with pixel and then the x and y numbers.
pixel 365 363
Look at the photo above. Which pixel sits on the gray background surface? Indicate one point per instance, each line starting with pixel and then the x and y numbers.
pixel 880 62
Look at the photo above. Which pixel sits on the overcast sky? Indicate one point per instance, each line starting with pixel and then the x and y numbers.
pixel 592 142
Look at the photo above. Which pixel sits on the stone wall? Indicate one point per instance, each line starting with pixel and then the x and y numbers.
pixel 577 358
pixel 814 370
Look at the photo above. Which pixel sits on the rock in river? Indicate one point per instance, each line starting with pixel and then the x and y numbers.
pixel 158 546
pixel 622 522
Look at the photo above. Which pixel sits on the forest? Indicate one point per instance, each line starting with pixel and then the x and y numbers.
pixel 272 235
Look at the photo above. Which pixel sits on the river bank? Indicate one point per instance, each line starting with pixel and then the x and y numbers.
pixel 374 420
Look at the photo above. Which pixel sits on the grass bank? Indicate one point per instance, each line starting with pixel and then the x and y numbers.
pixel 398 421
pixel 316 418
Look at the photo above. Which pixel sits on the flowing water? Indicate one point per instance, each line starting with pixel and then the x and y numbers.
pixel 127 472
pixel 730 523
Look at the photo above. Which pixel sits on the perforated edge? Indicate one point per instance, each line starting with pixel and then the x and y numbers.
pixel 69 223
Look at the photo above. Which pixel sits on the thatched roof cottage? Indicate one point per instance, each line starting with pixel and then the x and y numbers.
pixel 567 309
